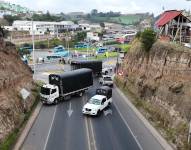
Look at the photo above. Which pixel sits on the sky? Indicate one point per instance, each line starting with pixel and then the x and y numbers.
pixel 123 6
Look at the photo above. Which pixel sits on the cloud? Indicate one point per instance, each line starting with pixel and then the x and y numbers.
pixel 124 6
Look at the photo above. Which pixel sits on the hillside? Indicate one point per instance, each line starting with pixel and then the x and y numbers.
pixel 122 19
pixel 14 76
pixel 160 81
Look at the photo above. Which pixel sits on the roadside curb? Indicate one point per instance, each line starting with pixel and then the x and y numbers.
pixel 154 132
pixel 27 128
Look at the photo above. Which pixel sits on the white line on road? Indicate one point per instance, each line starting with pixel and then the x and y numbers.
pixel 139 145
pixel 52 122
pixel 87 131
pixel 93 135
pixel 90 132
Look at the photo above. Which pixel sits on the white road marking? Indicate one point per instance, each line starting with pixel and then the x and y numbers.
pixel 87 131
pixel 90 131
pixel 52 122
pixel 93 135
pixel 139 145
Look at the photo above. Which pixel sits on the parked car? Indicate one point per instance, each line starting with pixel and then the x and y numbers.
pixel 99 102
pixel 101 50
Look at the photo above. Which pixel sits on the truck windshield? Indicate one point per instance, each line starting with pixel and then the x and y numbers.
pixel 101 92
pixel 107 79
pixel 95 101
pixel 45 91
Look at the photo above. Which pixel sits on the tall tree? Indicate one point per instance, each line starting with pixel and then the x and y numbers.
pixel 94 12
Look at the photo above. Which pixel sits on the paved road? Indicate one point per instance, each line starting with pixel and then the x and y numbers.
pixel 121 130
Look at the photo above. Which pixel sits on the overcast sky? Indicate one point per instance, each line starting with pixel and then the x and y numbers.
pixel 124 6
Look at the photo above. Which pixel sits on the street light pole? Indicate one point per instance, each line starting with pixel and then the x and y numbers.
pixel 33 46
pixel 87 51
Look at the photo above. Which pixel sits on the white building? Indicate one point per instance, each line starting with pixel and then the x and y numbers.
pixel 85 27
pixel 42 27
pixel 92 36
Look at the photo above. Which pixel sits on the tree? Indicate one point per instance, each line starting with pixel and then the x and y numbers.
pixel 80 36
pixel 102 24
pixel 94 12
pixel 11 18
pixel 4 22
pixel 138 35
pixel 148 38
pixel 75 22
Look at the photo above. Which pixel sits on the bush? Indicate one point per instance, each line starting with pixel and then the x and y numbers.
pixel 138 35
pixel 148 38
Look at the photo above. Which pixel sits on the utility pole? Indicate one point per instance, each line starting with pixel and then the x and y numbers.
pixel 33 46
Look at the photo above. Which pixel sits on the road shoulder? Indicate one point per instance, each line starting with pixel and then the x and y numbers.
pixel 27 128
pixel 152 130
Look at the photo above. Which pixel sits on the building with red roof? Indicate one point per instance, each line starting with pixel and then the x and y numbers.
pixel 173 25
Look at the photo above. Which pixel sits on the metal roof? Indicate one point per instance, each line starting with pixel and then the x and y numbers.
pixel 166 17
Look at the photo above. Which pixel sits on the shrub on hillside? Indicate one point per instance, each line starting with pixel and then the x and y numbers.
pixel 148 38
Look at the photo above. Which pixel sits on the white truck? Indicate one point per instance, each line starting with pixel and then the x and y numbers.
pixel 106 80
pixel 63 86
pixel 99 102
pixel 106 71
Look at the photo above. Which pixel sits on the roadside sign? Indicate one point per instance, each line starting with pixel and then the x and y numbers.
pixel 24 93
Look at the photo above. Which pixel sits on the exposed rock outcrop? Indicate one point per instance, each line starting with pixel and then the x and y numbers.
pixel 162 78
pixel 14 75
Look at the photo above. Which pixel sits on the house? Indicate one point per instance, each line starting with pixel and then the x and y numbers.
pixel 145 24
pixel 174 26
pixel 93 36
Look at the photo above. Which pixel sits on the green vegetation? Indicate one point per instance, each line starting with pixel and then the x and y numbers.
pixel 148 38
pixel 10 19
pixel 103 56
pixel 47 17
pixel 125 47
pixel 127 19
pixel 12 137
pixel 124 19
pixel 116 17
pixel 80 36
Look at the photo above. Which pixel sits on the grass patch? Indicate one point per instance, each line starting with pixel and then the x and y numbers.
pixel 85 49
pixel 8 143
pixel 103 56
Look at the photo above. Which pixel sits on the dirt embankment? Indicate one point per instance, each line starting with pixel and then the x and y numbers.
pixel 14 76
pixel 162 80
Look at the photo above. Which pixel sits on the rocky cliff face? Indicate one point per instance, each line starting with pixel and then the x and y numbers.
pixel 14 75
pixel 163 79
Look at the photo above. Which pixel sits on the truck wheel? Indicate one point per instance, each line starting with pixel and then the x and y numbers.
pixel 81 94
pixel 56 101
pixel 98 113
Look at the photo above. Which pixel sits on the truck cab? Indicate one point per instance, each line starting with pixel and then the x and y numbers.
pixel 99 102
pixel 49 94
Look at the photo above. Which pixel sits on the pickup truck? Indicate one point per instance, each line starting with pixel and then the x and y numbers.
pixel 106 80
pixel 99 102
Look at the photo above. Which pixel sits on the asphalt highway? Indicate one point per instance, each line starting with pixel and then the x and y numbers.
pixel 118 128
